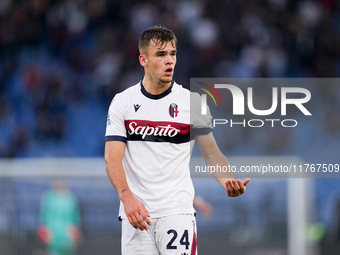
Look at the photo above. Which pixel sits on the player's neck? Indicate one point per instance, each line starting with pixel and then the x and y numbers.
pixel 155 88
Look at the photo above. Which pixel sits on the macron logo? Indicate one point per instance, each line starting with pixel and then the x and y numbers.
pixel 136 107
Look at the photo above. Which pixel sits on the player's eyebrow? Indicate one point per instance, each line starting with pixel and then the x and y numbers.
pixel 164 51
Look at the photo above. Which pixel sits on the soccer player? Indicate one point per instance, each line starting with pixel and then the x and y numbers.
pixel 147 154
pixel 59 220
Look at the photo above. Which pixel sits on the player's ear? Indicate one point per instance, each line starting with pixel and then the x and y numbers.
pixel 143 60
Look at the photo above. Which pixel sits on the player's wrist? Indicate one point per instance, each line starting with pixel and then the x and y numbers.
pixel 125 195
pixel 224 180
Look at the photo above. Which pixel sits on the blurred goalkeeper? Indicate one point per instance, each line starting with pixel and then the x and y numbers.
pixel 59 220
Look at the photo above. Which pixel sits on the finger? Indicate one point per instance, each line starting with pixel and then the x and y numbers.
pixel 146 211
pixel 146 219
pixel 145 214
pixel 236 188
pixel 241 186
pixel 137 223
pixel 229 188
pixel 235 185
pixel 141 216
pixel 246 181
pixel 142 224
pixel 132 222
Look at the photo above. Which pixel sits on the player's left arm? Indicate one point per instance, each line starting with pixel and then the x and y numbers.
pixel 214 157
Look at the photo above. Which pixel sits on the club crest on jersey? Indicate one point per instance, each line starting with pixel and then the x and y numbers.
pixel 173 110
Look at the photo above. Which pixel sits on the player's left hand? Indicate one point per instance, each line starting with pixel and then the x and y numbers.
pixel 73 232
pixel 235 187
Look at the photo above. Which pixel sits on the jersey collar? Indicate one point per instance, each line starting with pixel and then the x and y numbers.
pixel 151 96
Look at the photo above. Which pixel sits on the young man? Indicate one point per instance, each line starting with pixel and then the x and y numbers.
pixel 147 154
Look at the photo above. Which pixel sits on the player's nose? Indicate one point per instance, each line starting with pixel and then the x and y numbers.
pixel 169 60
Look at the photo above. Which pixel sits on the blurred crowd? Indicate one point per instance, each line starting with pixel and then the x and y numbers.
pixel 61 61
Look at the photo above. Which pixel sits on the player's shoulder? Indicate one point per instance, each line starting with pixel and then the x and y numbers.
pixel 126 94
pixel 129 91
pixel 186 92
pixel 48 195
pixel 180 89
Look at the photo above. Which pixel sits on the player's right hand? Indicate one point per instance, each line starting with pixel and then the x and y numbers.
pixel 136 212
pixel 45 234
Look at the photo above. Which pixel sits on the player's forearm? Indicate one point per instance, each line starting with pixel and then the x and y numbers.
pixel 114 152
pixel 214 158
pixel 117 176
pixel 220 168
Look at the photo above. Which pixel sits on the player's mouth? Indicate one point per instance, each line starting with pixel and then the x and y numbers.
pixel 168 71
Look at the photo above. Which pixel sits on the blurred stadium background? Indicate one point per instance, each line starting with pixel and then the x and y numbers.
pixel 61 62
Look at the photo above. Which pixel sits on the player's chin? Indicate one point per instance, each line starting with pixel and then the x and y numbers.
pixel 166 79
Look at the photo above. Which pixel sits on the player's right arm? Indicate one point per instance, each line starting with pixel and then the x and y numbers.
pixel 135 210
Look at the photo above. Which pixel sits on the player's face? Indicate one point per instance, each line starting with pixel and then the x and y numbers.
pixel 160 62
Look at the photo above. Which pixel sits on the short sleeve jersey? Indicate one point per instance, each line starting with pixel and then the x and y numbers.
pixel 156 130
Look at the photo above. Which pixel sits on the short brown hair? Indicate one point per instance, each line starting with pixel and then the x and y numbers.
pixel 159 35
